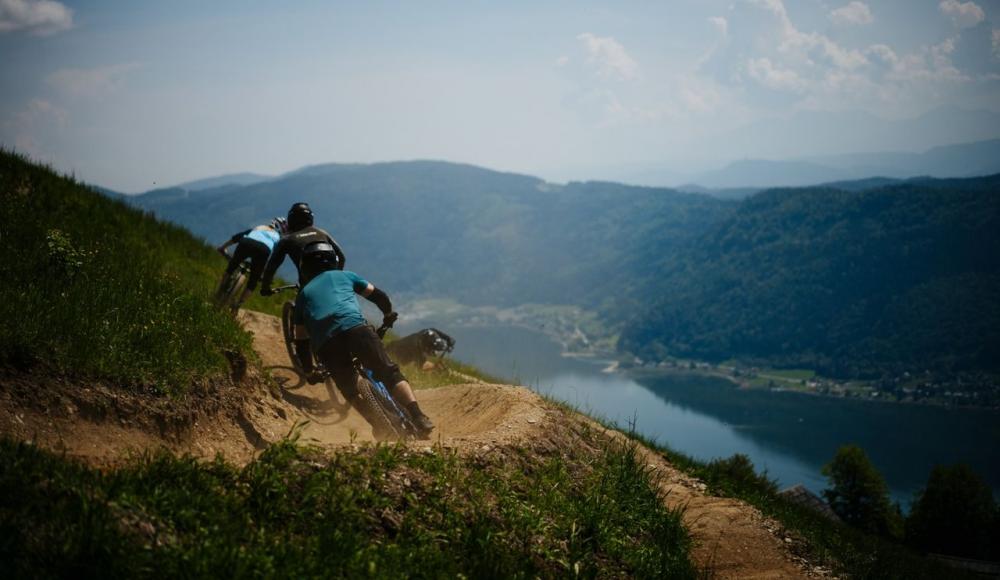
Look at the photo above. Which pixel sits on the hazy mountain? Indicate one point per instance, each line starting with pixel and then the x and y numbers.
pixel 821 133
pixel 964 160
pixel 462 231
pixel 222 180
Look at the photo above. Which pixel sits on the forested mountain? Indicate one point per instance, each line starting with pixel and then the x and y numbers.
pixel 861 279
pixel 479 236
pixel 902 277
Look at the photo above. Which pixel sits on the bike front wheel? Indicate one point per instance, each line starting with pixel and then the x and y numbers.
pixel 380 411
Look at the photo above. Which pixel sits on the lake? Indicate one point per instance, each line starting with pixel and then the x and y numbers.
pixel 790 435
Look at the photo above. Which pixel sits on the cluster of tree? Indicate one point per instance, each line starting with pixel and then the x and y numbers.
pixel 864 284
pixel 954 514
pixel 868 281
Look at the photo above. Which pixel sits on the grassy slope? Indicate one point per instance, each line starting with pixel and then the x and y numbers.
pixel 849 551
pixel 383 512
pixel 101 290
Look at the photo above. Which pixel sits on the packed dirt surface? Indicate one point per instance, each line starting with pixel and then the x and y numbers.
pixel 732 539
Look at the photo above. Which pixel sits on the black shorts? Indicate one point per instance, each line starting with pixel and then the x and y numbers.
pixel 362 342
pixel 257 253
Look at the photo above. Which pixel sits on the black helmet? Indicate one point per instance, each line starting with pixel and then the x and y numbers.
pixel 299 216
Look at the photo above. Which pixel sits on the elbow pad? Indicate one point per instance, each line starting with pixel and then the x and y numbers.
pixel 381 299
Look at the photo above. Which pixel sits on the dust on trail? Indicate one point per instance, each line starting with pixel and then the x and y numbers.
pixel 465 416
pixel 732 538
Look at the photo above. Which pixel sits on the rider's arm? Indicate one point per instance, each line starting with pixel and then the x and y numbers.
pixel 277 257
pixel 233 240
pixel 377 297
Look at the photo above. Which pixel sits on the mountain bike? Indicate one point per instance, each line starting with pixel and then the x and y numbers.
pixel 387 417
pixel 231 290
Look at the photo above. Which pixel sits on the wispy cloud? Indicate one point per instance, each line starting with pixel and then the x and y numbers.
pixel 41 17
pixel 852 13
pixel 609 56
pixel 90 82
pixel 27 127
pixel 963 14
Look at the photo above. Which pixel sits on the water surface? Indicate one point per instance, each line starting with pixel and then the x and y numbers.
pixel 790 435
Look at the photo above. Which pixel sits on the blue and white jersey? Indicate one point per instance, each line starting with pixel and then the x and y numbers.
pixel 265 235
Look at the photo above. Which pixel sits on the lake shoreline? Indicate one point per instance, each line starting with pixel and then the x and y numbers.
pixel 743 384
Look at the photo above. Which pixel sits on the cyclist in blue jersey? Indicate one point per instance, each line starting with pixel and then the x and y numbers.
pixel 254 244
pixel 328 307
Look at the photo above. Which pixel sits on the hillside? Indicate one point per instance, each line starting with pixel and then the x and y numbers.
pixel 117 351
pixel 853 284
pixel 846 279
pixel 478 236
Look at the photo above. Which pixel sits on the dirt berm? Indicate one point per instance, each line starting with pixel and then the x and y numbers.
pixel 732 539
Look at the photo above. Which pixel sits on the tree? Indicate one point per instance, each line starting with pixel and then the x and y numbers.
pixel 859 494
pixel 954 514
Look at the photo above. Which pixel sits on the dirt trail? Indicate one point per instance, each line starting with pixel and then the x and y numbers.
pixel 733 539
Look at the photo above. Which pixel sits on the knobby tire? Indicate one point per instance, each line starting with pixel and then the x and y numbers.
pixel 386 424
pixel 288 330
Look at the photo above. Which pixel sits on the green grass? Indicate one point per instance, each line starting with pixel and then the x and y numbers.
pixel 101 290
pixel 383 512
pixel 442 377
pixel 847 550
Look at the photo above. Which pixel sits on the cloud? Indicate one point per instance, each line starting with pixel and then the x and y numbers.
pixel 41 17
pixel 963 14
pixel 853 13
pixel 89 82
pixel 31 126
pixel 609 56
pixel 767 61
pixel 768 74
pixel 720 24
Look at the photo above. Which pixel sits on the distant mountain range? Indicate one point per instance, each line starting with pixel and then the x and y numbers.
pixel 965 160
pixel 228 179
pixel 855 278
pixel 445 229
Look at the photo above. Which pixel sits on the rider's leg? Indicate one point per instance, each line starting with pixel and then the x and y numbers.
pixel 371 352
pixel 258 254
pixel 336 357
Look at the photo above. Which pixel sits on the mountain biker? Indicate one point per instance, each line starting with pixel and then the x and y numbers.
pixel 328 306
pixel 254 244
pixel 312 250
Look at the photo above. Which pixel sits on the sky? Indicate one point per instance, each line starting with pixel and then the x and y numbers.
pixel 138 95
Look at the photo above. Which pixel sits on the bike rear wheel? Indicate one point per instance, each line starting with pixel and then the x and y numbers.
pixel 288 330
pixel 231 289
